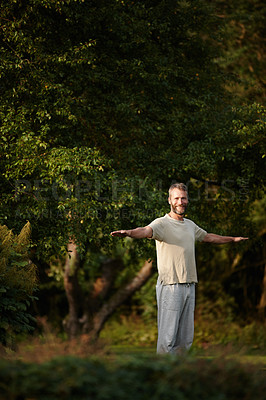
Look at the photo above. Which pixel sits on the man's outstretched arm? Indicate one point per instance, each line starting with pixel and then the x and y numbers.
pixel 218 239
pixel 137 233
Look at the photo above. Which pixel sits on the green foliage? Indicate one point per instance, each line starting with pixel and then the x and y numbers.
pixel 16 270
pixel 98 108
pixel 218 321
pixel 83 82
pixel 105 103
pixel 243 43
pixel 258 215
pixel 214 329
pixel 18 279
pixel 131 330
pixel 14 318
pixel 146 377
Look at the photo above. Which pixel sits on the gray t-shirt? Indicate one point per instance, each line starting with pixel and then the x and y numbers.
pixel 175 245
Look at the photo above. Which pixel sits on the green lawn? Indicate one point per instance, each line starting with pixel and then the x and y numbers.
pixel 243 356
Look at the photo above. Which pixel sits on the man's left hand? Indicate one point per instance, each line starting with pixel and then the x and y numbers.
pixel 240 238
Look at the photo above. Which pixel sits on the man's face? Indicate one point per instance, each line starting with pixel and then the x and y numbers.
pixel 178 201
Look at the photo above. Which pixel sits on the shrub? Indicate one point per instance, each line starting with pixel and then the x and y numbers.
pixel 18 279
pixel 142 378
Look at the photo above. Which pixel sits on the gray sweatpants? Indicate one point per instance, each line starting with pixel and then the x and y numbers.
pixel 176 304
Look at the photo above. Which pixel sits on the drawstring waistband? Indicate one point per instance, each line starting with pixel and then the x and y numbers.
pixel 187 284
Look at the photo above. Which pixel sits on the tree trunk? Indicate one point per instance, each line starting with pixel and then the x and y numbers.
pixel 95 310
pixel 73 290
pixel 262 303
pixel 101 288
pixel 119 297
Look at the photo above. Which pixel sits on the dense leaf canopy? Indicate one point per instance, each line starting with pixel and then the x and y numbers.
pixel 101 98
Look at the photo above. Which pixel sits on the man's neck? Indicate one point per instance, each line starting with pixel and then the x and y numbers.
pixel 176 216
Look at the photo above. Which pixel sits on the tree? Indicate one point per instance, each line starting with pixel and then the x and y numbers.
pixel 104 104
pixel 243 47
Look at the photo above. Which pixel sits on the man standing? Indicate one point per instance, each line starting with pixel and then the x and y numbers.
pixel 175 290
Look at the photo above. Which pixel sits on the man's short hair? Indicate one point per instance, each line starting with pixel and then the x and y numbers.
pixel 180 186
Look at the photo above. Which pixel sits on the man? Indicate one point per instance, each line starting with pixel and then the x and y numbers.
pixel 175 290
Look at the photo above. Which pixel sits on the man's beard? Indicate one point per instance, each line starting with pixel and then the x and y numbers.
pixel 174 209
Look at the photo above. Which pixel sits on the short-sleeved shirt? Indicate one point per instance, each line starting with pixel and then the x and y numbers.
pixel 175 245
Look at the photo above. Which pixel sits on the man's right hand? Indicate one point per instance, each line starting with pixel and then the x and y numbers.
pixel 137 233
pixel 122 233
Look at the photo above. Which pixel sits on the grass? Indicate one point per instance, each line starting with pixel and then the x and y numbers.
pixel 130 337
pixel 241 355
pixel 48 346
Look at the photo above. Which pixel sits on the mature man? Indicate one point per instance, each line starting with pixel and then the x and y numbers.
pixel 175 290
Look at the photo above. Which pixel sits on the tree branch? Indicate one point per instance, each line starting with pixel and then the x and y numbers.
pixel 120 296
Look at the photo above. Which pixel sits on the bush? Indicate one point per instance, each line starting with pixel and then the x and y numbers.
pixel 142 378
pixel 18 277
pixel 130 331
